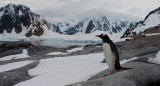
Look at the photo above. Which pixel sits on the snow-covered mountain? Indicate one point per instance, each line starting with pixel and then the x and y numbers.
pixel 18 22
pixel 19 19
pixel 90 25
pixel 151 23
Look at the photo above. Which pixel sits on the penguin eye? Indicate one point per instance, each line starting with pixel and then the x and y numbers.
pixel 103 34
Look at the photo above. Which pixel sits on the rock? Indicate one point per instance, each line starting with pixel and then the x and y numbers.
pixel 43 50
pixel 15 76
pixel 155 29
pixel 11 52
pixel 139 47
pixel 11 48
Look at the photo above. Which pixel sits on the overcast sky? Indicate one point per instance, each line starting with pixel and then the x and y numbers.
pixel 82 8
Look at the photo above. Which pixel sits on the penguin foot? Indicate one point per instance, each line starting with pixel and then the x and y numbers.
pixel 110 72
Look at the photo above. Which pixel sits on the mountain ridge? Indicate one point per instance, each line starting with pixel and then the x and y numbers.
pixel 89 25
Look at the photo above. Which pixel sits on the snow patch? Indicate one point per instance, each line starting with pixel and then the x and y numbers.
pixel 75 49
pixel 152 34
pixel 20 13
pixel 55 53
pixel 14 65
pixel 17 56
pixel 98 46
pixel 155 60
pixel 127 60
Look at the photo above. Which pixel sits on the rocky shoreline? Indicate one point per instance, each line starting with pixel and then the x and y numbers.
pixel 142 73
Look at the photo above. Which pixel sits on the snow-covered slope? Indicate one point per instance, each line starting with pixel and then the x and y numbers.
pixel 151 21
pixel 90 25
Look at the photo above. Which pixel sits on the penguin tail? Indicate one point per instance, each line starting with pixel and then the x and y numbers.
pixel 123 68
pixel 118 67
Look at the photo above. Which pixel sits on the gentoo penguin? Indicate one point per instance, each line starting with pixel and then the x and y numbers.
pixel 110 53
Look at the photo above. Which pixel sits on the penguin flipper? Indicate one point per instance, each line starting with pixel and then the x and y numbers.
pixel 117 63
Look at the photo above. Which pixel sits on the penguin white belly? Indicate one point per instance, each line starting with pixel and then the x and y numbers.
pixel 109 56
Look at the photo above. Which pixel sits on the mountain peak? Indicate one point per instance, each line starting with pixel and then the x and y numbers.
pixel 13 7
pixel 21 19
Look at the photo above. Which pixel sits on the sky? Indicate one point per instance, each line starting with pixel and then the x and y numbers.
pixel 60 9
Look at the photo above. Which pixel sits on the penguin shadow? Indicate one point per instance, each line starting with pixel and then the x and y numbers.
pixel 116 71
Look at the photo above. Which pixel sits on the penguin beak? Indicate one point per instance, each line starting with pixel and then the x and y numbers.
pixel 97 35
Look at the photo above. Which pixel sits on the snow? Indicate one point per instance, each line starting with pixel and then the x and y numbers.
pixel 98 46
pixel 1 13
pixel 151 21
pixel 14 65
pixel 69 51
pixel 127 60
pixel 155 60
pixel 152 34
pixel 17 56
pixel 55 53
pixel 61 71
pixel 20 13
pixel 75 49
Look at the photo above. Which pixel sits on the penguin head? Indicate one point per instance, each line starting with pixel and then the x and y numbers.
pixel 103 36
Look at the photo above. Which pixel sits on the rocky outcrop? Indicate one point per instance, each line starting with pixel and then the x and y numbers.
pixel 11 48
pixel 155 29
